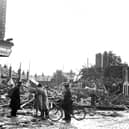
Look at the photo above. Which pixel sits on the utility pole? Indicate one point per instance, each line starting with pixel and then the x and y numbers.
pixel 126 83
pixel 87 62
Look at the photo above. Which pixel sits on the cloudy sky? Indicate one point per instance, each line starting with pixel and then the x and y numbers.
pixel 62 34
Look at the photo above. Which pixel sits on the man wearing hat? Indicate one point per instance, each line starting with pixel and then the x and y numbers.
pixel 15 99
pixel 41 101
pixel 67 103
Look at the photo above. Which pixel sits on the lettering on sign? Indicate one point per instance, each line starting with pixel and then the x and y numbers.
pixel 5 51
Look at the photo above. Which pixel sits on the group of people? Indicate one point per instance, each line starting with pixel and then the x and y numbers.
pixel 41 101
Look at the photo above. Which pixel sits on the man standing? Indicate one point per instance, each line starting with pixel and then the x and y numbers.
pixel 67 103
pixel 15 99
pixel 45 88
pixel 41 101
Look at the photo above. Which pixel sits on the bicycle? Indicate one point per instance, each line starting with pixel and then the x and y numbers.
pixel 56 112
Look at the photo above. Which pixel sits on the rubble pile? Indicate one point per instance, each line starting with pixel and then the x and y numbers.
pixel 4 100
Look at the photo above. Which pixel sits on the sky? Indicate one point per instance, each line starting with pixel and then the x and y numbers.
pixel 62 34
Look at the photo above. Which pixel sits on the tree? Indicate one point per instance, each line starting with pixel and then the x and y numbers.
pixel 113 59
pixel 91 72
pixel 112 68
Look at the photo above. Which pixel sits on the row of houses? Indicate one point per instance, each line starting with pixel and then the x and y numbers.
pixel 8 72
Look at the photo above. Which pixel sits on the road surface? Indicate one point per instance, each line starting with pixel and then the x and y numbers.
pixel 101 120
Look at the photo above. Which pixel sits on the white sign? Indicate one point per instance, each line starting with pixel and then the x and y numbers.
pixel 5 51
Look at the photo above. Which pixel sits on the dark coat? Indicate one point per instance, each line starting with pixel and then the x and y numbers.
pixel 67 101
pixel 15 98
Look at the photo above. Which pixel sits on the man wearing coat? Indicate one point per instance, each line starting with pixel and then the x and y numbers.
pixel 67 103
pixel 41 101
pixel 15 99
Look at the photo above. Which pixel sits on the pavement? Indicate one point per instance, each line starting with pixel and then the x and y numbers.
pixel 100 120
pixel 118 121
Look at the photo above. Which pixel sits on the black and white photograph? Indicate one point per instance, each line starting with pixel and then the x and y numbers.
pixel 64 64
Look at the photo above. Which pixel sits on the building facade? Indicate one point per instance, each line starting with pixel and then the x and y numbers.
pixel 2 18
pixel 105 60
pixel 99 60
pixel 102 60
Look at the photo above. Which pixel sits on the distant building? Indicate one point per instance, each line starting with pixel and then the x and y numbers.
pixel 99 60
pixel 70 75
pixel 6 72
pixel 2 18
pixel 102 60
pixel 42 78
pixel 105 60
